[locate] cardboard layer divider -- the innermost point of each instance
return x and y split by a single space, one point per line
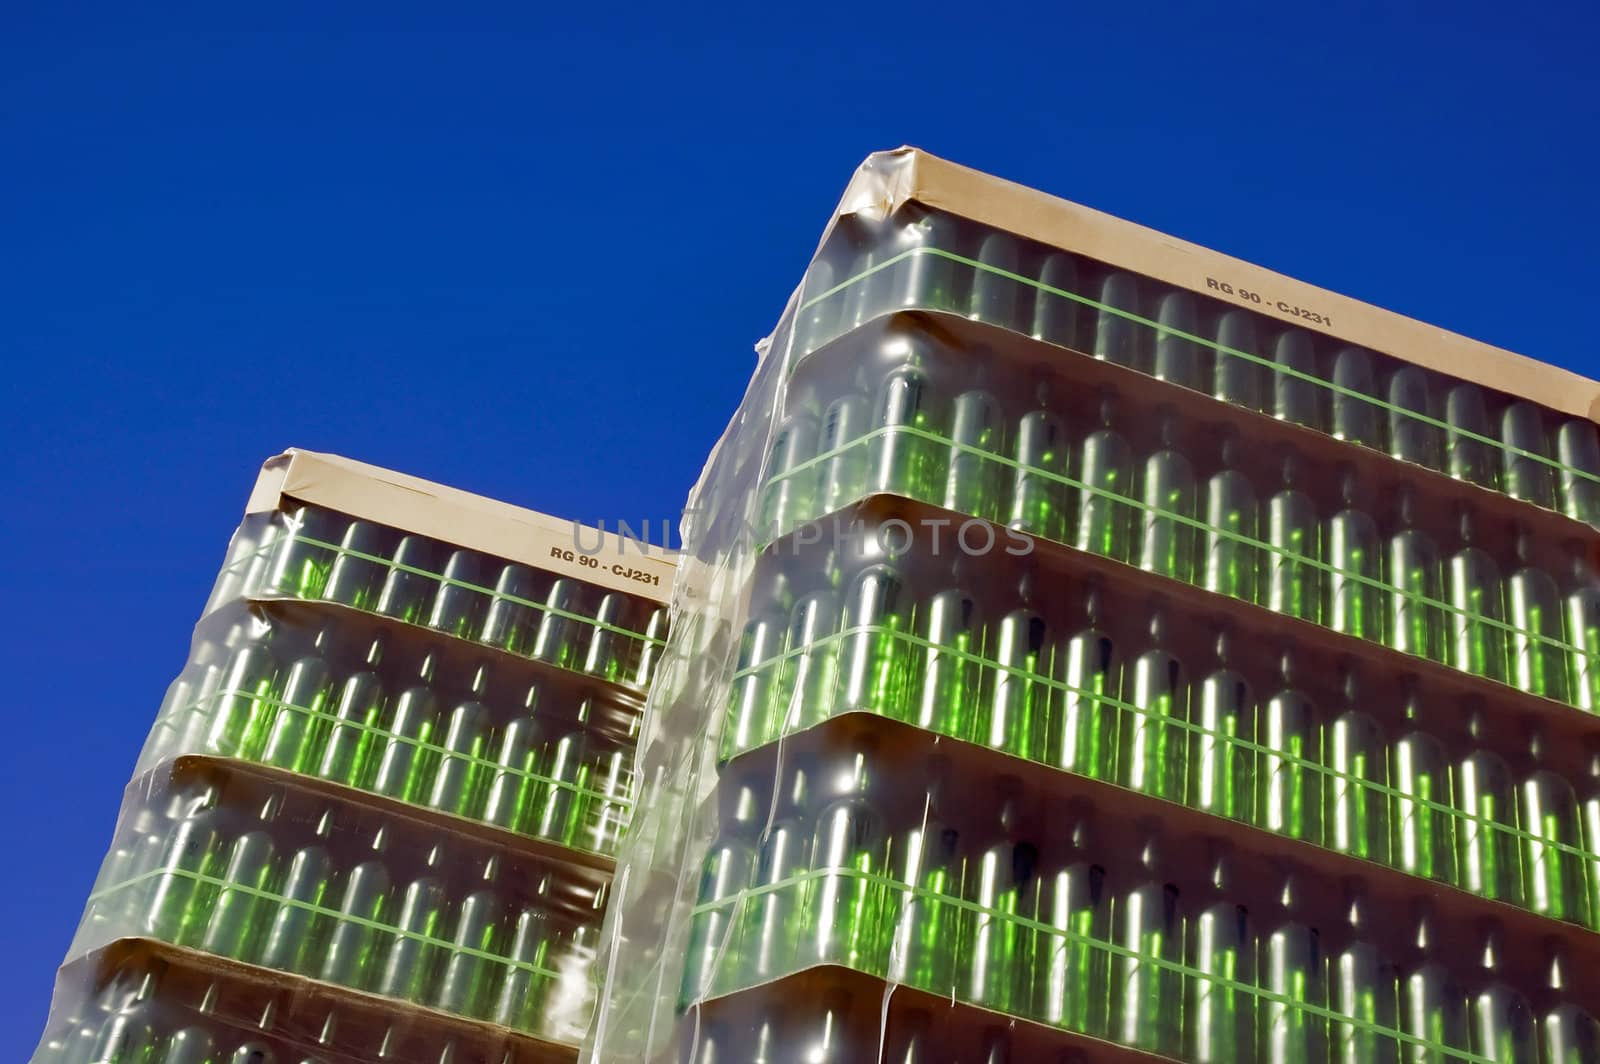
889 180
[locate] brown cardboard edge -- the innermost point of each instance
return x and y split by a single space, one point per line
888 180
412 504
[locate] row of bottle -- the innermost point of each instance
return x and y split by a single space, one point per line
318 554
999 922
1255 749
1337 568
514 762
149 1011
1233 354
240 868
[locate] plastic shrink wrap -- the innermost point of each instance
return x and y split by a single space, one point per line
1090 647
376 817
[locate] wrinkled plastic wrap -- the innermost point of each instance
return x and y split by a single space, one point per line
376 814
1067 666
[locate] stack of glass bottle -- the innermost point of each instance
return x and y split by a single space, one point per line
377 813
1069 666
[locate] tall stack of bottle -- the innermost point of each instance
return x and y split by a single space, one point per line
1072 664
377 815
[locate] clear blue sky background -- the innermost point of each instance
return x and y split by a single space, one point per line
487 257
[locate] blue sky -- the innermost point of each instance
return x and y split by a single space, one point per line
530 259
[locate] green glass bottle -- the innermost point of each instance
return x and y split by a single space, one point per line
1002 890
126 1037
346 756
519 1000
1146 980
1219 1010
458 783
1024 670
972 483
510 620
874 662
470 980
1415 624
413 951
769 943
1357 816
788 496
998 297
409 753
1293 581
1105 477
1354 557
1468 455
1489 862
567 767
1578 452
1289 780
1079 733
947 696
1056 317
299 925
816 319
807 688
236 917
756 671
652 643
462 601
922 279
1299 394
1117 337
1363 993
411 582
1411 439
842 473
192 1045
1167 510
513 792
1070 967
303 553
1553 869
1477 636
1432 1015
1581 626
1220 765
1424 829
1525 443
555 640
1239 379
1589 826
1502 1025
727 871
302 700
1177 358
922 916
351 956
1570 1035
605 809
609 647
1355 417
843 902
176 904
1151 742
1293 971
244 705
1040 499
1538 656
907 456
1233 555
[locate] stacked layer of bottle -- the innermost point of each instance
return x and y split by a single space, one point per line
1286 530
1087 680
1211 342
143 1010
245 866
317 554
433 723
1002 899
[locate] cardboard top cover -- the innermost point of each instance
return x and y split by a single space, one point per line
888 180
474 522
